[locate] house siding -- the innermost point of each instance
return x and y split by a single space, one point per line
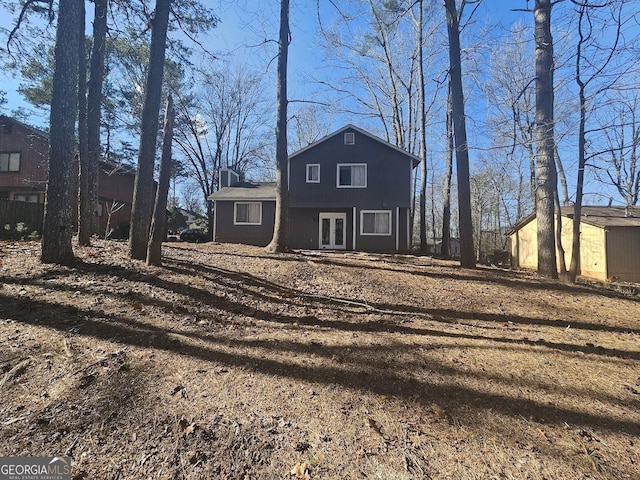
387 188
593 260
305 230
115 183
259 235
388 175
33 148
623 254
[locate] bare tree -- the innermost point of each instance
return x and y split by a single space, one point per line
159 221
467 256
545 141
589 52
306 126
88 201
84 234
57 228
280 240
446 202
222 124
622 157
143 190
422 128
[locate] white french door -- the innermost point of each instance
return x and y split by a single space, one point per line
333 233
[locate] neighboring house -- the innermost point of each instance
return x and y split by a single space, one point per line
192 219
348 191
23 174
609 242
435 247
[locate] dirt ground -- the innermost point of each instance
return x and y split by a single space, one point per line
232 363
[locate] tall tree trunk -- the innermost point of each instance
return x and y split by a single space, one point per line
280 240
159 222
446 208
58 223
94 101
545 171
467 256
423 132
84 234
558 229
562 177
143 197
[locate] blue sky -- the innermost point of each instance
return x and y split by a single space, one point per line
246 24
248 27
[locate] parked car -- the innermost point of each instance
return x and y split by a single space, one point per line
195 235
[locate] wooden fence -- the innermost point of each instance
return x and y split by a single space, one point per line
12 213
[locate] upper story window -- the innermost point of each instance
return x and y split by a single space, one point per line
247 213
313 173
352 175
349 138
10 162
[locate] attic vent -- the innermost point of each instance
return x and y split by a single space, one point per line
6 128
350 138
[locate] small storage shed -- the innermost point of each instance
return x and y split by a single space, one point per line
609 242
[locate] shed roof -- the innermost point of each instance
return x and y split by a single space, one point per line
246 191
598 216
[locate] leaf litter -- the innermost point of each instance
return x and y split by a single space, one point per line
230 362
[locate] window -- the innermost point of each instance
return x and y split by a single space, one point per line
247 213
313 173
26 197
10 162
352 175
373 222
350 138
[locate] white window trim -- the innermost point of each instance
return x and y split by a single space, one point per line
307 172
362 232
366 173
349 138
235 213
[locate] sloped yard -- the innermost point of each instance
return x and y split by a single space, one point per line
232 363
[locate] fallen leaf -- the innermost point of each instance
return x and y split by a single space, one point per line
138 306
301 471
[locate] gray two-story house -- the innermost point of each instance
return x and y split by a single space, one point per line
348 191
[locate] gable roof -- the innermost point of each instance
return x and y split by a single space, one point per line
598 216
246 191
109 166
41 133
415 158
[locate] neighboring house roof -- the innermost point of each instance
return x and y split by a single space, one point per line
109 165
37 131
415 158
186 212
246 191
598 216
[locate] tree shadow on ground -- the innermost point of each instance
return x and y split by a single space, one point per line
384 324
387 382
508 278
